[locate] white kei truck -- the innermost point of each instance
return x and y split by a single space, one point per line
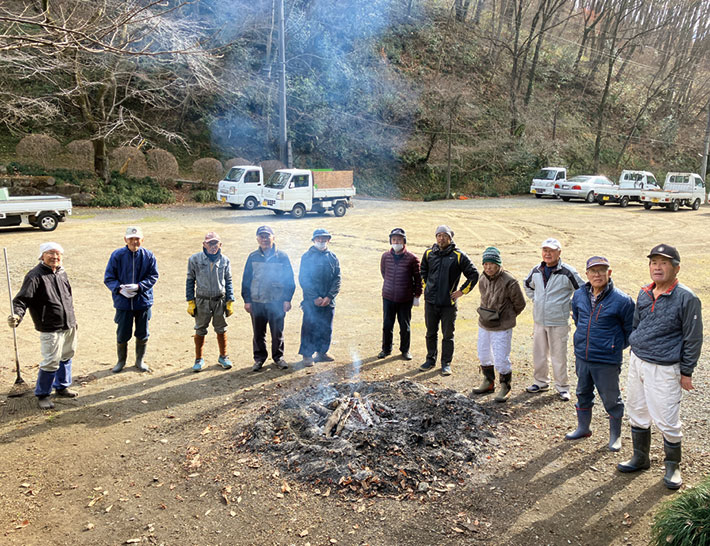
299 191
631 185
40 211
543 184
679 190
241 187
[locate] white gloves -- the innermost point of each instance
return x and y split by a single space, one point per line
415 302
128 290
13 321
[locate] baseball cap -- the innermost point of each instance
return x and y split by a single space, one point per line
597 260
666 251
320 232
444 229
133 232
211 236
398 231
264 229
551 243
46 247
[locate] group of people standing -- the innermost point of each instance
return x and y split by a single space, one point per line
663 328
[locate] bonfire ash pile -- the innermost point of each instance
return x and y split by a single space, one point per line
374 438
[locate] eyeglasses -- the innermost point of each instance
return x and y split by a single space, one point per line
599 273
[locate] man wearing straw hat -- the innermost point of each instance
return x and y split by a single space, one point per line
47 294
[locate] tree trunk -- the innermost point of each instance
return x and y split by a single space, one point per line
602 105
533 68
101 159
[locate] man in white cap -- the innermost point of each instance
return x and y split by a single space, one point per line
131 273
210 297
550 285
441 269
47 294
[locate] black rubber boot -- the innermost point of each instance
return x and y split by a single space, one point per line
672 479
140 353
641 438
584 419
122 351
489 380
504 390
614 434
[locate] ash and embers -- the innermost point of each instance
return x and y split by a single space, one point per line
372 438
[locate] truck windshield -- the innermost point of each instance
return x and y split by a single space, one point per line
234 174
278 180
546 174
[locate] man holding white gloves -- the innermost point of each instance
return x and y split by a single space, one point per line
131 273
401 290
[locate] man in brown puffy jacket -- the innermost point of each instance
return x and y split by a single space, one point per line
401 290
502 300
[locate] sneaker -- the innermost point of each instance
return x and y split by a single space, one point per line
258 364
537 388
323 357
224 362
407 356
66 393
446 370
281 364
428 365
198 365
307 362
564 396
383 354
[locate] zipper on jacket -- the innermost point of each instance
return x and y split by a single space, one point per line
133 275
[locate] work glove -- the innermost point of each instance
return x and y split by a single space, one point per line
229 308
128 290
415 302
13 321
191 308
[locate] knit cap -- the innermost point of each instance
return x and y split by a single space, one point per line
46 247
492 255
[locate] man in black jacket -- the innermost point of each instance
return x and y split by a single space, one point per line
47 294
442 266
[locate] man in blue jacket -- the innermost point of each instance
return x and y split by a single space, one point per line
130 275
665 343
603 316
319 277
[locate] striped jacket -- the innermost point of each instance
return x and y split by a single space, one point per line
441 271
551 302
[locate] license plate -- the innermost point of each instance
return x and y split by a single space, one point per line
264 203
565 186
224 199
654 200
533 191
605 198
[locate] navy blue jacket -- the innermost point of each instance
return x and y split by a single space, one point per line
319 275
602 333
126 267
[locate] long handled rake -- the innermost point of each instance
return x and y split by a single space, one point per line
20 387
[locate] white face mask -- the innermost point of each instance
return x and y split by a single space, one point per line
397 247
320 246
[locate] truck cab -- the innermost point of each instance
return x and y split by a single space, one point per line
637 180
543 183
242 186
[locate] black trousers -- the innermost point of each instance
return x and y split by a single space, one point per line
272 314
433 316
402 311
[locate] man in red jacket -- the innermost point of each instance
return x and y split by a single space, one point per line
401 290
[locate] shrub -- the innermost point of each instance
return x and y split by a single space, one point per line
204 196
62 176
236 161
79 155
126 191
269 166
208 169
41 150
685 519
132 158
162 165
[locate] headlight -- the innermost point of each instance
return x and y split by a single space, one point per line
232 190
280 195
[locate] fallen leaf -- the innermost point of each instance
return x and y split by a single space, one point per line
285 488
232 513
89 527
457 530
303 533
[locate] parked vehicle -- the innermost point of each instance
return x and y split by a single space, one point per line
679 190
581 187
41 211
543 183
299 191
242 186
629 188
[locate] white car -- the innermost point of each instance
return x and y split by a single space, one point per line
582 187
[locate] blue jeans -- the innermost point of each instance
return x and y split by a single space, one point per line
605 377
125 318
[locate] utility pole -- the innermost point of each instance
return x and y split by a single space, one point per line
448 158
283 133
706 149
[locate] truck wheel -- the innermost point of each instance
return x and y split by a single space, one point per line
590 197
47 221
673 206
624 202
340 209
696 204
234 205
299 211
647 206
250 203
566 199
601 202
538 196
279 212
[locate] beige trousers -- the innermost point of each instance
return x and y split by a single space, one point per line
550 346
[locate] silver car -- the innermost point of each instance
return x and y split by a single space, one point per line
581 187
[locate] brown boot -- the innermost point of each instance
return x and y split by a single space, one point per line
489 379
223 359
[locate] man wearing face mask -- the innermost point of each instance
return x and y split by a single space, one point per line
401 290
210 297
441 269
319 277
130 275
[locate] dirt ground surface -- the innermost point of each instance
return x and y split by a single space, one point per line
158 458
